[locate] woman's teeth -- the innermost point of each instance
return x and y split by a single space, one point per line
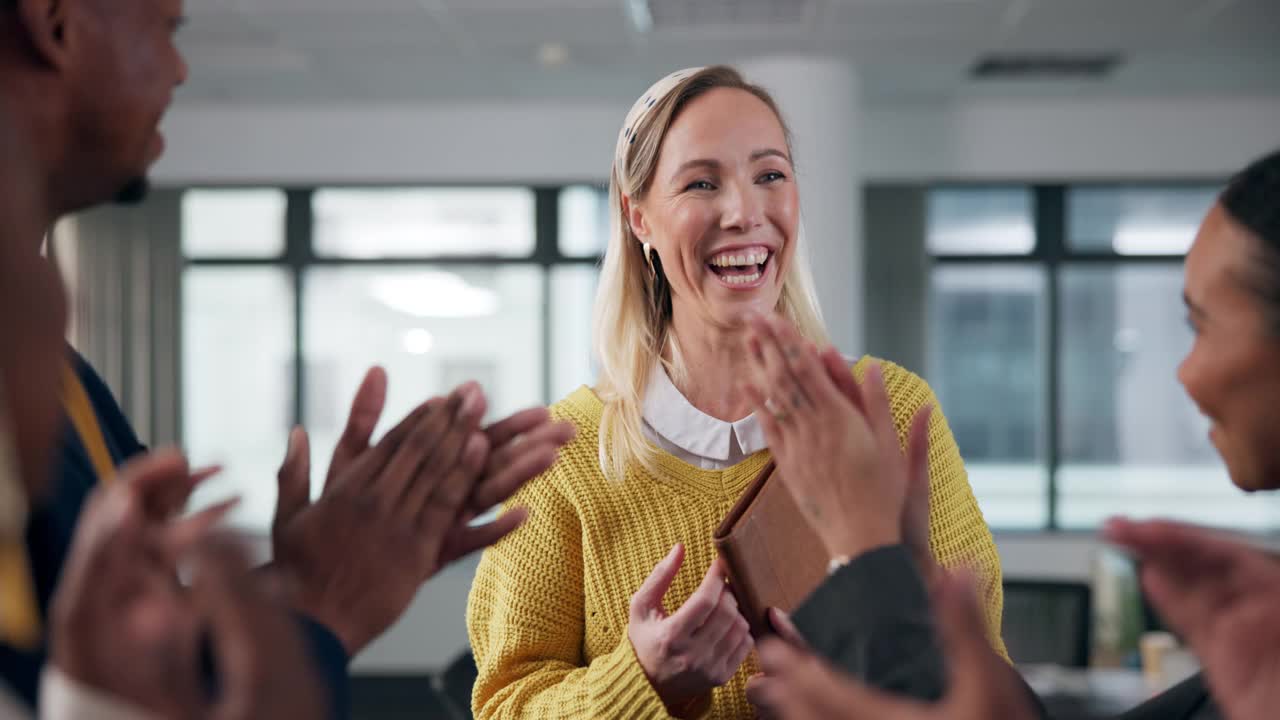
740 267
741 279
757 257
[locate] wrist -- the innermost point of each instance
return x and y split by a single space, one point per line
674 698
856 538
681 702
66 655
70 666
279 579
352 638
686 707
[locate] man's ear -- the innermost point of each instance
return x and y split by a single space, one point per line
635 218
45 24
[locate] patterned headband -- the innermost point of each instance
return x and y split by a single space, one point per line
640 111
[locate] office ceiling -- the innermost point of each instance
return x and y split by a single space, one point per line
301 51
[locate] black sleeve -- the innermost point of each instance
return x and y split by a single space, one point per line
872 619
1187 700
331 661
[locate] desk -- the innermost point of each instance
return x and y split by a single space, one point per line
1092 694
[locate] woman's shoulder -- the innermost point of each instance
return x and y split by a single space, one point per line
894 374
579 459
582 407
906 390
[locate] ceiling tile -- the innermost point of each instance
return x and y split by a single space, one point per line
915 16
326 7
1154 14
489 5
488 26
1242 23
390 50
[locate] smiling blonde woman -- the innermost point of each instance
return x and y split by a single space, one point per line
610 603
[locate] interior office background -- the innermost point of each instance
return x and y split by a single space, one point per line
420 185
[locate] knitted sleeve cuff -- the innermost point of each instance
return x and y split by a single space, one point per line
621 689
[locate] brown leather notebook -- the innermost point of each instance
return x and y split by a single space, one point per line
775 558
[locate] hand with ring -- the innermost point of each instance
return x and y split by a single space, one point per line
775 410
836 444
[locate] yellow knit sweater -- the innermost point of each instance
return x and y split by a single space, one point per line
548 611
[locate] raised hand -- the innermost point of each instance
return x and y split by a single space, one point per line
695 649
1221 595
120 597
875 403
836 444
393 514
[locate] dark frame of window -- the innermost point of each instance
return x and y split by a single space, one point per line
299 256
1052 252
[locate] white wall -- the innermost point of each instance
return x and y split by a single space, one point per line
552 143
498 142
555 143
1078 138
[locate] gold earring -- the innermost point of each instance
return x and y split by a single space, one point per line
648 257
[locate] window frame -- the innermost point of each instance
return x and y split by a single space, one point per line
1052 252
300 255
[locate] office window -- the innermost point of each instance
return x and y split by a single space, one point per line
986 364
1054 330
431 327
406 223
1057 364
1136 220
572 357
237 396
1133 443
584 220
980 221
233 223
583 223
437 285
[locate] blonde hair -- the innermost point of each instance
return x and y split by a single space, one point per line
633 308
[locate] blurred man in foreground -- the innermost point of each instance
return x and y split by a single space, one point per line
83 87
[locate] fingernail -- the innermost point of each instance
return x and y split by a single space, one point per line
292 446
470 399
